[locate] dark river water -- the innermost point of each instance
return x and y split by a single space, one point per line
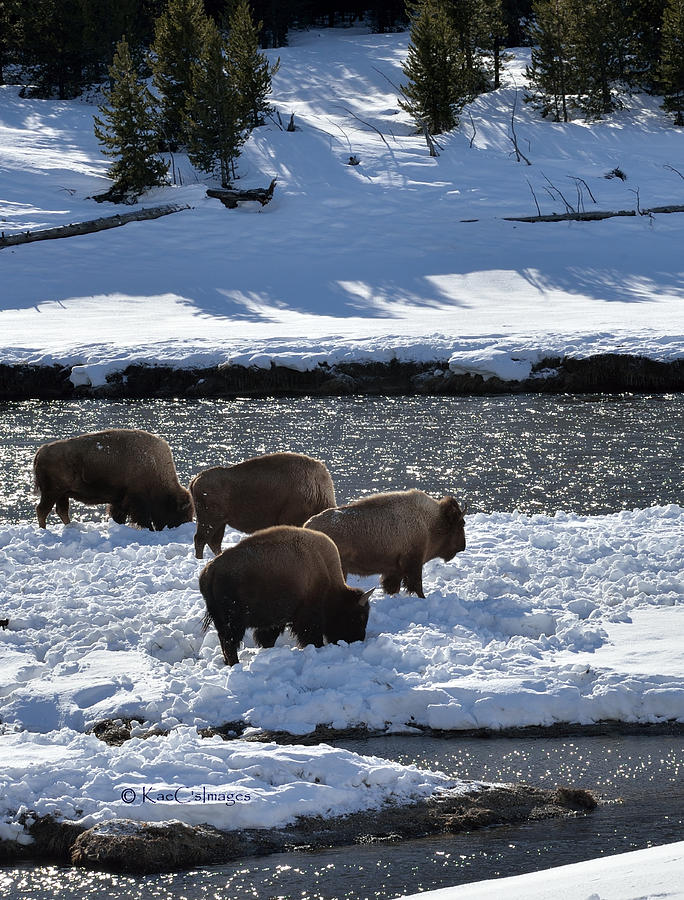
640 778
587 454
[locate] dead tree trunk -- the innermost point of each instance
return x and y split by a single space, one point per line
89 227
230 198
593 216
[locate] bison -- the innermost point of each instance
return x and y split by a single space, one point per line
131 470
275 489
394 534
277 578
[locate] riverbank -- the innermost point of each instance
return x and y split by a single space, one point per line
609 372
125 845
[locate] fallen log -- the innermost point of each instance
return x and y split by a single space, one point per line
88 227
590 216
230 198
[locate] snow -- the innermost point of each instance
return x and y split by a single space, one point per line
366 262
198 780
654 872
542 619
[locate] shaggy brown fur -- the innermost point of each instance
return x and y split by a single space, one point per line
394 534
277 578
275 489
131 470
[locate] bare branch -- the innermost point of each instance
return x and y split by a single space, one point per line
474 130
513 137
367 124
420 120
534 196
568 206
587 187
672 169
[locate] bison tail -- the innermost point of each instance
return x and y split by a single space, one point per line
207 621
38 476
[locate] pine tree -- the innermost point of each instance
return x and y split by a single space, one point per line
9 33
672 60
466 21
128 132
435 66
642 20
548 73
180 35
249 69
491 35
214 122
596 37
54 48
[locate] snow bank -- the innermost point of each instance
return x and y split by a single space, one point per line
196 780
370 262
655 872
541 620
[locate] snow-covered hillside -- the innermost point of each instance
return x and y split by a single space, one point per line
351 262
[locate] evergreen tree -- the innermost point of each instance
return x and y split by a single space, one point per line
276 17
128 132
672 60
387 15
491 36
9 33
596 37
516 15
53 46
180 36
549 72
642 20
214 113
250 70
435 66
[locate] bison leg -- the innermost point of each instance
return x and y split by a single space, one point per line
200 544
307 632
230 633
118 513
266 637
62 509
391 582
43 510
216 539
413 577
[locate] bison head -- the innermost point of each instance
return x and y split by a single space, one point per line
348 622
172 510
452 527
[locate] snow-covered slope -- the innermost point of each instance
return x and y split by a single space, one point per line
351 262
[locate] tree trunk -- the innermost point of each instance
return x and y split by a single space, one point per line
88 227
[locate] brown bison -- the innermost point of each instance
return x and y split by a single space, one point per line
133 471
277 578
275 489
394 534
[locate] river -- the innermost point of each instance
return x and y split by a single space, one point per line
582 453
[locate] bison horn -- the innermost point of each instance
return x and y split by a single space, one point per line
364 598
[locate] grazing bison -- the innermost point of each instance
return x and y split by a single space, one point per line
394 534
133 471
275 489
277 578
